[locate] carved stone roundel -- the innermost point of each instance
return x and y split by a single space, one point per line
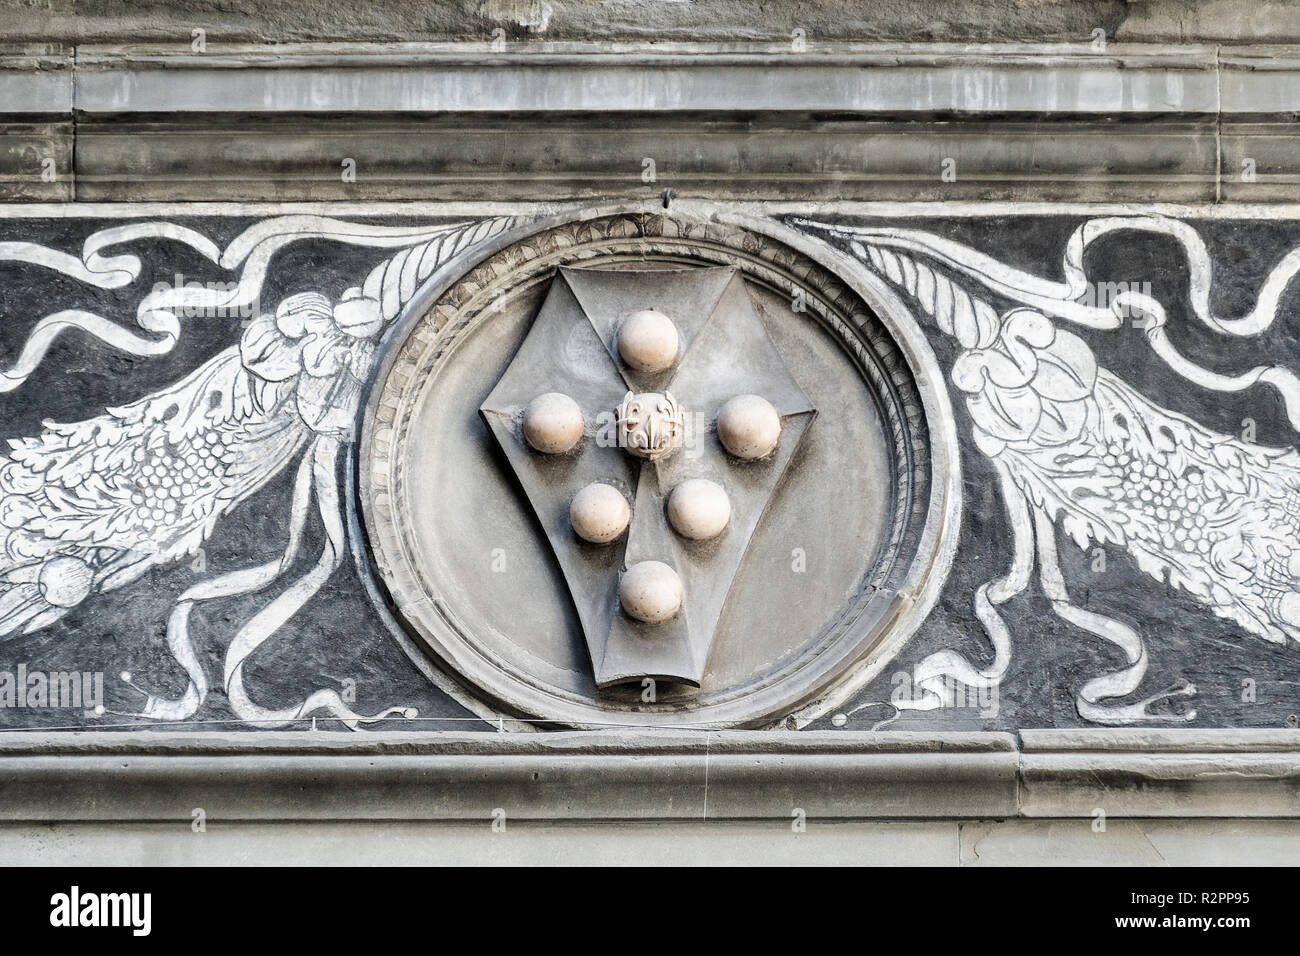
654 571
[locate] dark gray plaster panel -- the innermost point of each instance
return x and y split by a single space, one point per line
1214 655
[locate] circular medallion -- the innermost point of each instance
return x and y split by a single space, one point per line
765 413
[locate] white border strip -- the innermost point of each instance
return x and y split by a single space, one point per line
792 82
411 210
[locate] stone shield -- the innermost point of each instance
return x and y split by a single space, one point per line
838 527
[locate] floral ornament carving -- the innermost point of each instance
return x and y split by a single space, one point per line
1079 450
650 425
91 506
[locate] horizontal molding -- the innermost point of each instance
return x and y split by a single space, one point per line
647 776
1224 773
598 776
558 122
862 79
564 158
868 80
423 210
35 86
36 161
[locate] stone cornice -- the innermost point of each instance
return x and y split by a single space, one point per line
864 80
647 776
544 121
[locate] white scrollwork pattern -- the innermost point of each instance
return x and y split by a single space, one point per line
1077 448
91 506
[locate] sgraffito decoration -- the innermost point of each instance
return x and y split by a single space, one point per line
1079 450
90 506
780 570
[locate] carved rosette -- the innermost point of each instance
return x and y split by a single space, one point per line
651 425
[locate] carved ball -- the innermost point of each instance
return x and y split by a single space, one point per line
553 423
599 513
749 427
699 509
650 591
648 341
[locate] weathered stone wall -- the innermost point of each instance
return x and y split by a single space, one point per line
1047 21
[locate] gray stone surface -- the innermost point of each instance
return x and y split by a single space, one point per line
644 775
879 80
1140 122
984 20
522 843
35 82
1154 843
624 798
36 161
566 159
1125 773
1186 842
649 775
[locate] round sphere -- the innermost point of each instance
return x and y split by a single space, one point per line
553 423
749 427
650 591
599 513
648 341
699 509
65 581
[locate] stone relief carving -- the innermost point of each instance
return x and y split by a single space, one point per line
90 506
651 425
642 383
594 338
1079 450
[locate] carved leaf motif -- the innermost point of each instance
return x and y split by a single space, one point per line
971 321
393 282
